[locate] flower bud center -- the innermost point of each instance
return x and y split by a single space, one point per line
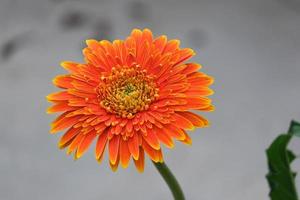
126 91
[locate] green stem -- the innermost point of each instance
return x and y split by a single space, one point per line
170 180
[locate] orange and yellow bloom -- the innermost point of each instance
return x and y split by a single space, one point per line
130 96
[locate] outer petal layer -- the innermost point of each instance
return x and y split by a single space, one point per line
130 96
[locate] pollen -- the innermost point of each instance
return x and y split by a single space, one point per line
126 91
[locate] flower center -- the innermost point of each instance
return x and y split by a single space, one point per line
126 91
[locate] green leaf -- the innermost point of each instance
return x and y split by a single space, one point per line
281 178
295 128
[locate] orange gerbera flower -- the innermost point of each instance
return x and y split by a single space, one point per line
131 96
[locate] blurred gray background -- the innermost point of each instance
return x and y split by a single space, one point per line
251 47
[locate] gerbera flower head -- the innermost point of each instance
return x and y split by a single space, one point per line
130 96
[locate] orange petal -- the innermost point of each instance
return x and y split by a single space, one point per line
182 122
110 51
93 44
100 145
201 80
195 119
90 74
165 138
63 81
178 69
74 144
59 96
133 146
114 144
83 86
160 156
78 101
100 128
197 102
64 123
114 166
187 139
152 139
199 91
160 42
61 117
118 129
124 153
60 107
137 35
184 54
118 47
140 162
129 126
100 158
84 145
67 137
208 108
177 87
175 132
147 35
191 67
71 66
82 94
152 153
171 46
100 60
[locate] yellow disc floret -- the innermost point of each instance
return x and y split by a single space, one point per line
126 91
